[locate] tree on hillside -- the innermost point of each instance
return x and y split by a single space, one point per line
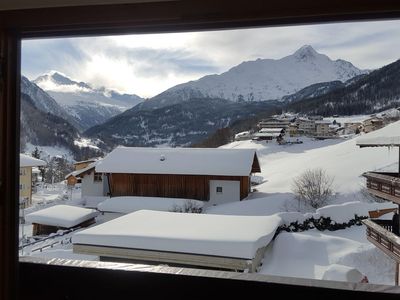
313 188
36 153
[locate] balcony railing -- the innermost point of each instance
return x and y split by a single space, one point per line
380 233
384 185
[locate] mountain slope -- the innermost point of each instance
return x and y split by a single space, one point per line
44 102
89 106
372 93
175 125
262 79
45 129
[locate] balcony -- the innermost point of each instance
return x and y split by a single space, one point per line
384 185
380 233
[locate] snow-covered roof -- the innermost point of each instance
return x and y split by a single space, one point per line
182 161
271 130
216 235
61 216
379 141
267 134
323 122
29 161
80 172
85 161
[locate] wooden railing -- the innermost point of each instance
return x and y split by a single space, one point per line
379 233
384 185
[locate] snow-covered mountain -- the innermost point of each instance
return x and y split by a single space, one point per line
262 79
45 103
89 106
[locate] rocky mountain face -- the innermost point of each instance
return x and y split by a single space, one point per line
87 105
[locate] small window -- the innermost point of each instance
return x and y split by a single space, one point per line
97 177
219 189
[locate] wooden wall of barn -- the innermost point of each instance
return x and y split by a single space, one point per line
170 186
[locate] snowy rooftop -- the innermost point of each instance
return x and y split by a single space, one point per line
183 161
379 141
271 130
78 173
216 235
29 161
61 216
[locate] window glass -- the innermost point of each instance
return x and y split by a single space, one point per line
288 126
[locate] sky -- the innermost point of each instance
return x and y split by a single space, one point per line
148 64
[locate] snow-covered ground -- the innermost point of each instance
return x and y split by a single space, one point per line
310 254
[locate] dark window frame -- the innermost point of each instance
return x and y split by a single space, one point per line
172 16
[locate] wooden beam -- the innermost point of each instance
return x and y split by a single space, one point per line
9 161
137 255
189 15
384 195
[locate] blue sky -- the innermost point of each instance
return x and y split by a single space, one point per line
149 64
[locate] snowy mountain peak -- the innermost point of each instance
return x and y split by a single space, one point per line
262 79
88 105
305 52
57 81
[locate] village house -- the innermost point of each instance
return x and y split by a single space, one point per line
242 136
92 183
372 124
322 128
274 123
384 233
213 175
293 129
79 165
26 164
352 127
306 126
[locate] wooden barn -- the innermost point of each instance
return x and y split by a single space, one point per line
214 175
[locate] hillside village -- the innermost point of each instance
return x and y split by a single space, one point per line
288 125
233 207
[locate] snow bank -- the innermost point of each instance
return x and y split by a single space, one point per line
93 201
253 207
61 216
342 273
311 254
130 204
228 236
343 213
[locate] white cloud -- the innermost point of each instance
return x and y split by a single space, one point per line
148 64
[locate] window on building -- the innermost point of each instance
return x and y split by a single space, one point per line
98 177
219 189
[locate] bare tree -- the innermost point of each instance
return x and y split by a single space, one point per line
189 206
313 187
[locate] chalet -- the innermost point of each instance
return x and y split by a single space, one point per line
213 175
322 128
293 129
274 123
306 126
26 164
79 165
269 134
384 234
242 136
372 124
92 183
352 127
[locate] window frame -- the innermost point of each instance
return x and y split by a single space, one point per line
158 17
